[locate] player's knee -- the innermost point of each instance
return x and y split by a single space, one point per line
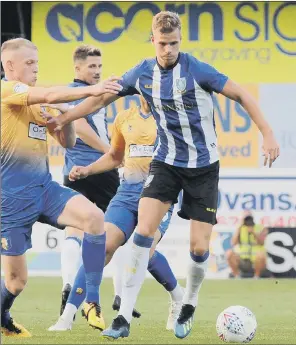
200 245
15 283
146 230
199 249
93 220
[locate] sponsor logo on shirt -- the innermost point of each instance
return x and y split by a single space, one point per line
37 132
141 150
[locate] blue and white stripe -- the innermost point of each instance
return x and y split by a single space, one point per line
167 143
185 117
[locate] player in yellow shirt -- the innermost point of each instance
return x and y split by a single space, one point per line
28 192
132 141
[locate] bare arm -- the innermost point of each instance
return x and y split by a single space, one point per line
89 136
37 95
63 94
66 137
238 94
88 106
109 161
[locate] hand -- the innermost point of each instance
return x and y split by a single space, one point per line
54 123
62 107
250 229
270 149
109 85
78 172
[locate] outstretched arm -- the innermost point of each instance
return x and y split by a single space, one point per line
83 130
88 106
89 136
270 146
111 160
22 94
92 104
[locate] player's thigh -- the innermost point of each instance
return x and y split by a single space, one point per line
65 207
160 191
82 214
17 219
15 272
200 195
120 217
73 232
200 201
15 240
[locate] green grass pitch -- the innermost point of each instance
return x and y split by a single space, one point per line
273 302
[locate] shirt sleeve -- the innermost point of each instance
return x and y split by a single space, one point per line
117 139
15 93
208 77
51 111
129 80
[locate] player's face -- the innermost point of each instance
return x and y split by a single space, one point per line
25 65
90 70
167 46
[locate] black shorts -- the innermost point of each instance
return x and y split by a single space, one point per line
99 189
199 185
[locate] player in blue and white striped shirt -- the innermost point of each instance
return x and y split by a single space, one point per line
179 90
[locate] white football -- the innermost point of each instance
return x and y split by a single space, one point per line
236 324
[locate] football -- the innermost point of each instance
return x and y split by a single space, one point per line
236 324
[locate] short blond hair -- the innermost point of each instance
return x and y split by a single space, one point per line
85 50
166 22
16 43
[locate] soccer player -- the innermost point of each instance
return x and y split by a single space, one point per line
133 138
28 192
179 90
91 143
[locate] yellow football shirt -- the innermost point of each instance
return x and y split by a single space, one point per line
24 162
134 133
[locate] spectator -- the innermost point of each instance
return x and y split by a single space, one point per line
248 256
